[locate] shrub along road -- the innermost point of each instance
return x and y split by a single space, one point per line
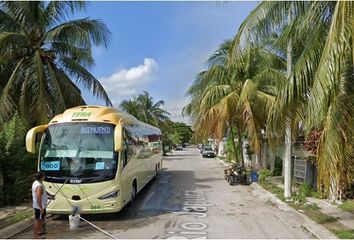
191 199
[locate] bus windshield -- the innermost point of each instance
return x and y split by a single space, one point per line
80 152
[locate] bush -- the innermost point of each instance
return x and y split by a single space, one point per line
16 165
263 174
305 190
278 166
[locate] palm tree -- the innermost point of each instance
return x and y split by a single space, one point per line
269 20
132 107
331 102
224 97
45 52
318 38
145 109
214 97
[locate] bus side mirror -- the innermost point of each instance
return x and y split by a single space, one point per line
31 138
118 138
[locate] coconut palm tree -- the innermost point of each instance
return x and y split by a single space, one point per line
331 101
132 107
271 20
214 97
318 37
145 109
49 57
223 98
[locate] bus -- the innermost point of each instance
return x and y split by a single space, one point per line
95 158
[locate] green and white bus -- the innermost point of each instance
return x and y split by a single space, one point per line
98 158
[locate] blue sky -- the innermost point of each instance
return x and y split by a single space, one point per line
160 46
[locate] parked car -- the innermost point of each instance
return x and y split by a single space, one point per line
179 147
208 152
202 148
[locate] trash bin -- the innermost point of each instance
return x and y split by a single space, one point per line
254 176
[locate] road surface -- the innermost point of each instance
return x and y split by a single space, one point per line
189 199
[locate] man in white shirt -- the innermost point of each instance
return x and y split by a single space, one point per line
40 199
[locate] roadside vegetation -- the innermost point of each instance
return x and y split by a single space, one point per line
299 202
347 206
287 74
15 218
45 57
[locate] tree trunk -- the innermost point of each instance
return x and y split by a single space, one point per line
287 151
264 154
333 191
233 144
5 185
258 161
287 163
272 160
240 144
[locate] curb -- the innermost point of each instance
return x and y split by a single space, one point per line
16 228
311 226
222 162
12 230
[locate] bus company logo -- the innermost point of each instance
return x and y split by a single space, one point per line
75 180
81 115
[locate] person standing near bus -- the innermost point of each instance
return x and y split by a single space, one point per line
40 199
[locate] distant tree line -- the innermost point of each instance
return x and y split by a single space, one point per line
145 109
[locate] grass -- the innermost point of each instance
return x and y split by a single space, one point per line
299 203
18 217
347 206
271 187
320 217
345 234
312 210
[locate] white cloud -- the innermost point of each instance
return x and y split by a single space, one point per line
175 108
126 83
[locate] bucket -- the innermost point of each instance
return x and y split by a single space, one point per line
74 221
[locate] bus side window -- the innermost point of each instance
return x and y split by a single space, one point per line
125 149
125 157
126 154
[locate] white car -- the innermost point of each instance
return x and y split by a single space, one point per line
208 152
179 147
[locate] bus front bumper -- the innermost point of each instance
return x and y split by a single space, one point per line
85 206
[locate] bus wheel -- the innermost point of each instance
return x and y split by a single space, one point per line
133 192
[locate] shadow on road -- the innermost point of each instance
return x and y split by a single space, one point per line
163 195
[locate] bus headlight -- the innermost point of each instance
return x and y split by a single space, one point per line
110 195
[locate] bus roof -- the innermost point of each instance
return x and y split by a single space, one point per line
92 113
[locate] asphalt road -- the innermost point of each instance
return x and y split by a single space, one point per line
189 199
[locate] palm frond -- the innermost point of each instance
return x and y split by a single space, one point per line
85 78
6 100
57 11
80 32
